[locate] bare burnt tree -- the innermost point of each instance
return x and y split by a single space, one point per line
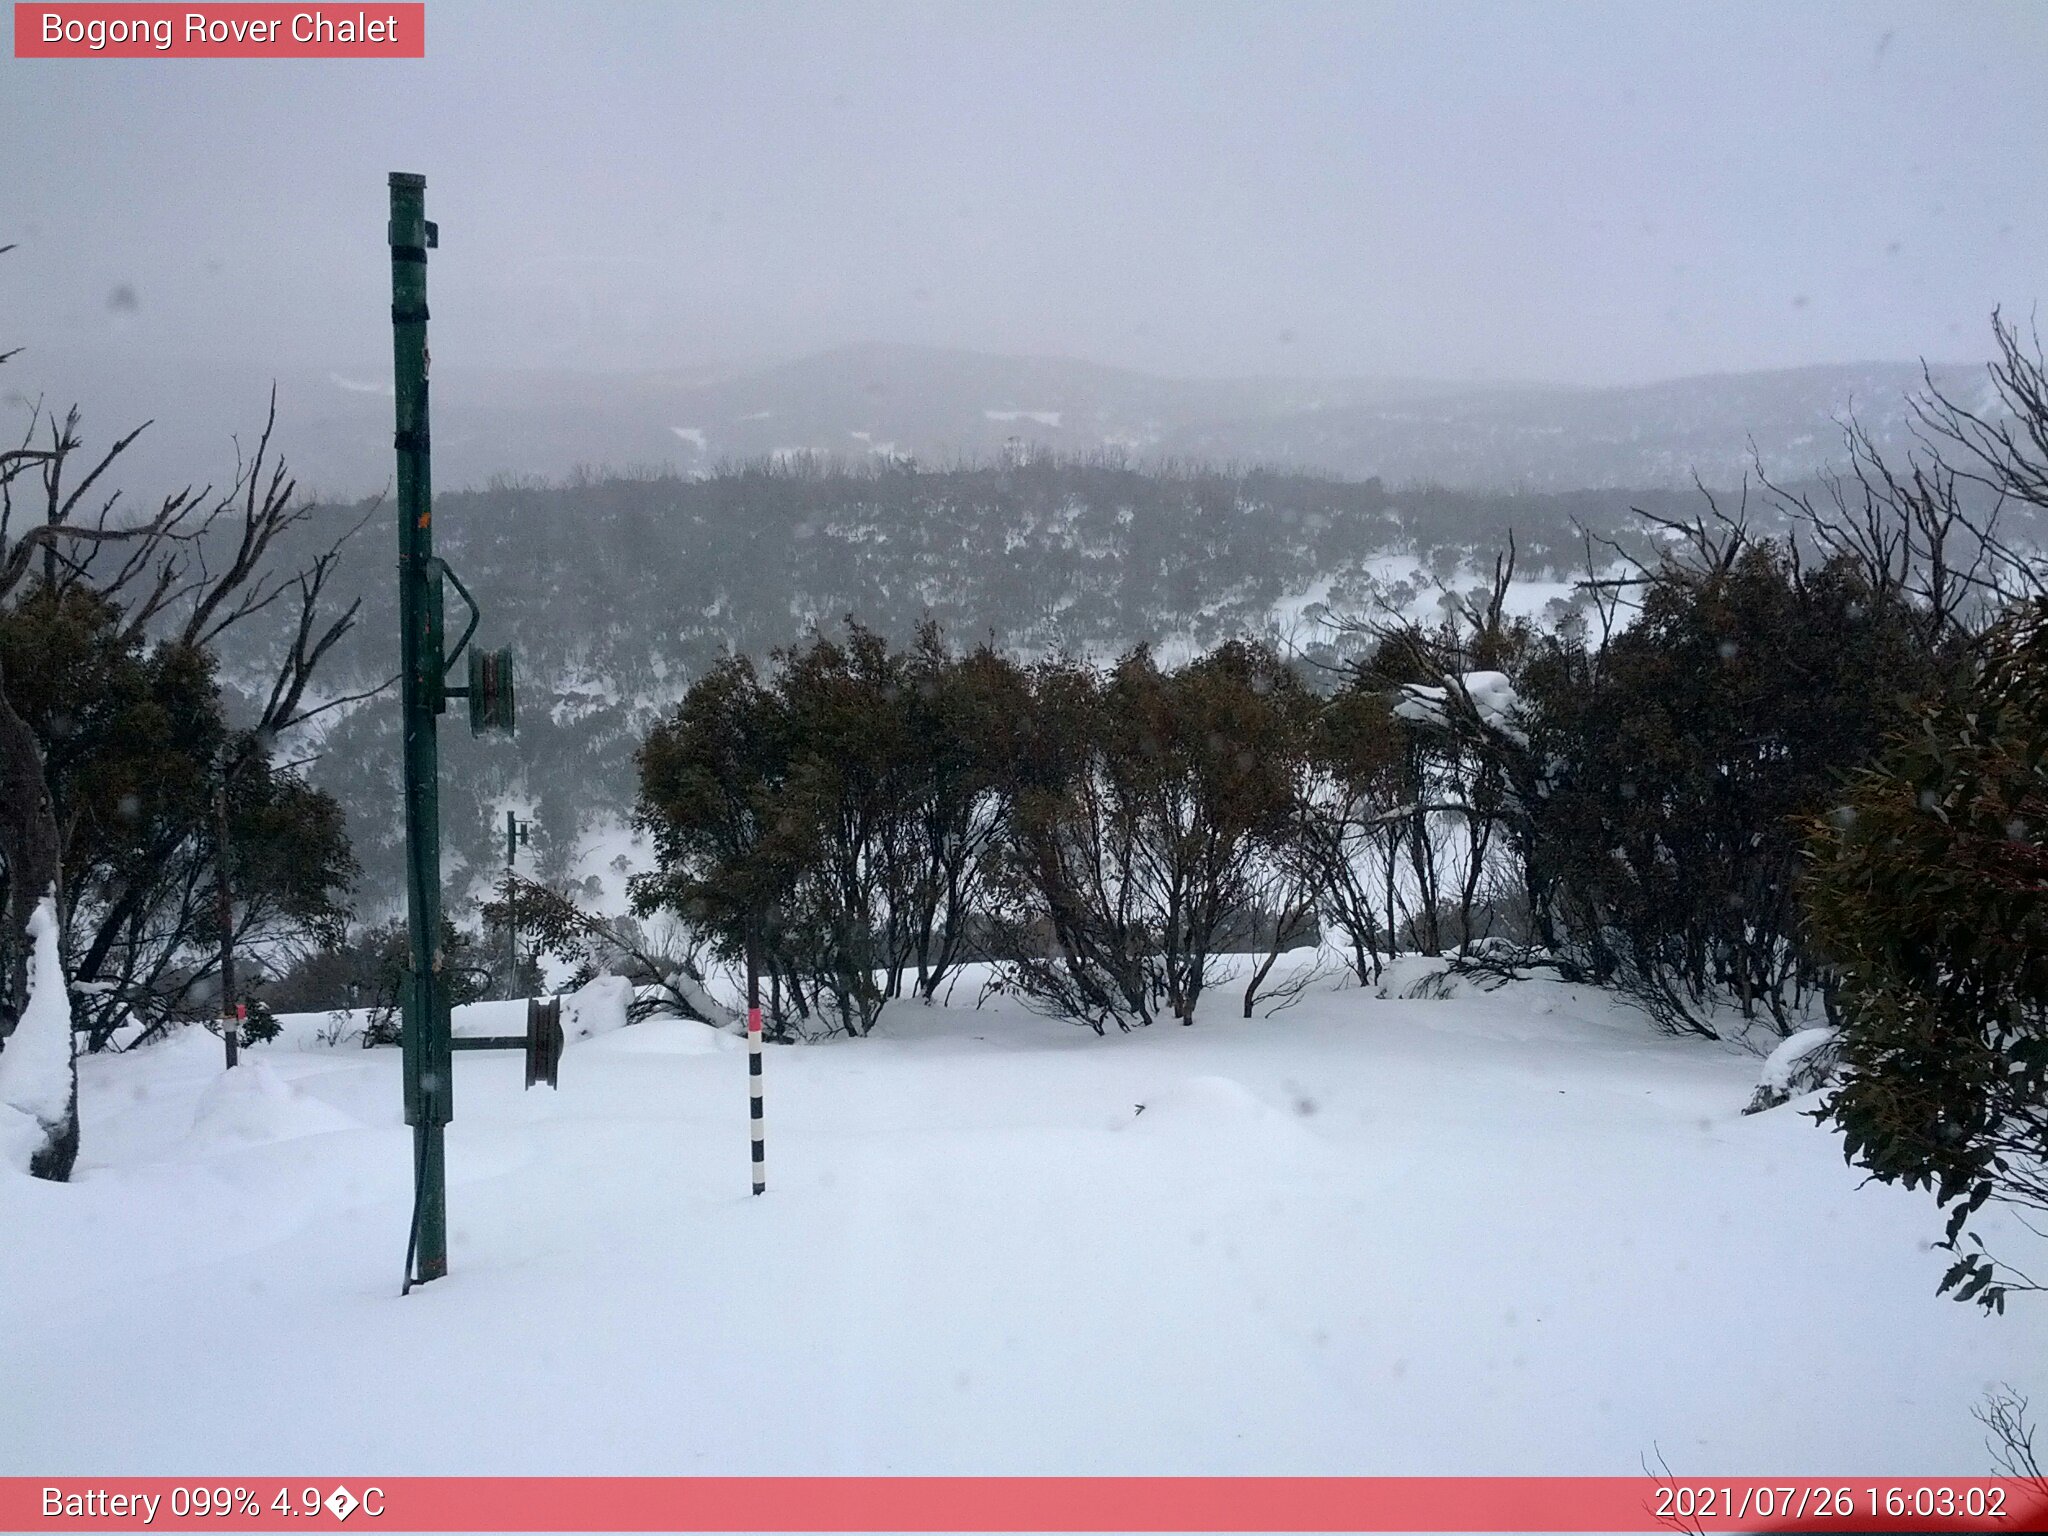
2002 451
1908 530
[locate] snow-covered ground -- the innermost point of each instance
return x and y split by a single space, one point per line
1504 1233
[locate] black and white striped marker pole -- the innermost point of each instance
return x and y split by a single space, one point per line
754 1070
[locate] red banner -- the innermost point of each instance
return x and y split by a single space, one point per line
1024 1504
371 30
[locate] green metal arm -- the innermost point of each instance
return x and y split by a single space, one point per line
475 614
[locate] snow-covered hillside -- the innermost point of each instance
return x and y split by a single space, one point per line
647 581
1507 1232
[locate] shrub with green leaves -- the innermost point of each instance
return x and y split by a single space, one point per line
1929 893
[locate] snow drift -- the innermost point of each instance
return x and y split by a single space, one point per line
35 1061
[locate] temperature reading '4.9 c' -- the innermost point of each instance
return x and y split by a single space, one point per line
241 1502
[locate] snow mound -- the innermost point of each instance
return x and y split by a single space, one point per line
1220 1111
35 1062
21 1137
250 1104
1803 1063
1439 978
596 1008
1418 976
494 1016
1440 1244
670 1037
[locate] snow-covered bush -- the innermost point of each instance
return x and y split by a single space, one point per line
1489 697
1804 1062
598 1007
260 1026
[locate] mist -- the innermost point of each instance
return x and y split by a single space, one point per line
1590 195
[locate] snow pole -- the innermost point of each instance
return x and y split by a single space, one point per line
754 1065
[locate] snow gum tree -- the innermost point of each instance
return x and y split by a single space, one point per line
1210 752
1436 775
134 739
1929 895
1349 831
1682 759
713 802
844 814
112 728
965 714
1077 938
1928 890
1144 806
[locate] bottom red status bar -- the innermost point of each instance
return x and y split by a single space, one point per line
1026 1504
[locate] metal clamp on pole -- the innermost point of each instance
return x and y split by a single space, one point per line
542 1041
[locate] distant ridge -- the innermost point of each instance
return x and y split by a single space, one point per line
942 405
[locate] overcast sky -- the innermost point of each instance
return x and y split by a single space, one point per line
1577 192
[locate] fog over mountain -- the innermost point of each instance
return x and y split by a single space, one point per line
941 406
1364 239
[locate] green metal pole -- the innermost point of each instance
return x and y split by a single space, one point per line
425 1036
